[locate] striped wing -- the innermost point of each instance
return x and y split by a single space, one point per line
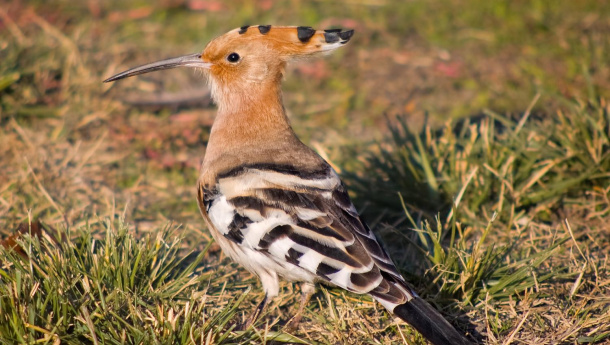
305 219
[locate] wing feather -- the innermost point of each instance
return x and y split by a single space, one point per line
304 219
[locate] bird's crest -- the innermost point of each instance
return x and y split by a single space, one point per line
292 41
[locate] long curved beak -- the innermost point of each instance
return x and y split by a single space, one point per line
193 60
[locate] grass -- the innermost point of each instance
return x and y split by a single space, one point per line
499 219
120 289
490 205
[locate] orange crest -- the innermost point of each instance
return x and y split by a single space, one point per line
289 41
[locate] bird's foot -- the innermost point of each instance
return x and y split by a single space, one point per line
293 324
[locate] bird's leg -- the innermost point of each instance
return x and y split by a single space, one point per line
307 290
272 288
255 314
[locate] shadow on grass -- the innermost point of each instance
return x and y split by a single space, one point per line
472 208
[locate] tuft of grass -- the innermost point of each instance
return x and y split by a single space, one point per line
481 217
493 164
116 289
472 271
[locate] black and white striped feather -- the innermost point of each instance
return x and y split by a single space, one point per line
277 220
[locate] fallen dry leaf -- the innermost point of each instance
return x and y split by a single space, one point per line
35 229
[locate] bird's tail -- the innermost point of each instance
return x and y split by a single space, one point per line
394 294
429 322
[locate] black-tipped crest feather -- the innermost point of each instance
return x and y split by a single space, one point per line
304 33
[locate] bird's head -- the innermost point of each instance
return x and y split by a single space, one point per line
251 55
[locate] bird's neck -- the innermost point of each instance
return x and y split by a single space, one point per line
249 118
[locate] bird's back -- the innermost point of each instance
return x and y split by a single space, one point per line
300 216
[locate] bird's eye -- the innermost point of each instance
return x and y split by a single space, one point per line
233 57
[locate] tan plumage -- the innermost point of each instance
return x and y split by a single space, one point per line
271 202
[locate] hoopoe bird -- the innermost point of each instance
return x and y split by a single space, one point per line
272 203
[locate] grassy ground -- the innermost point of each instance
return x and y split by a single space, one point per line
474 136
